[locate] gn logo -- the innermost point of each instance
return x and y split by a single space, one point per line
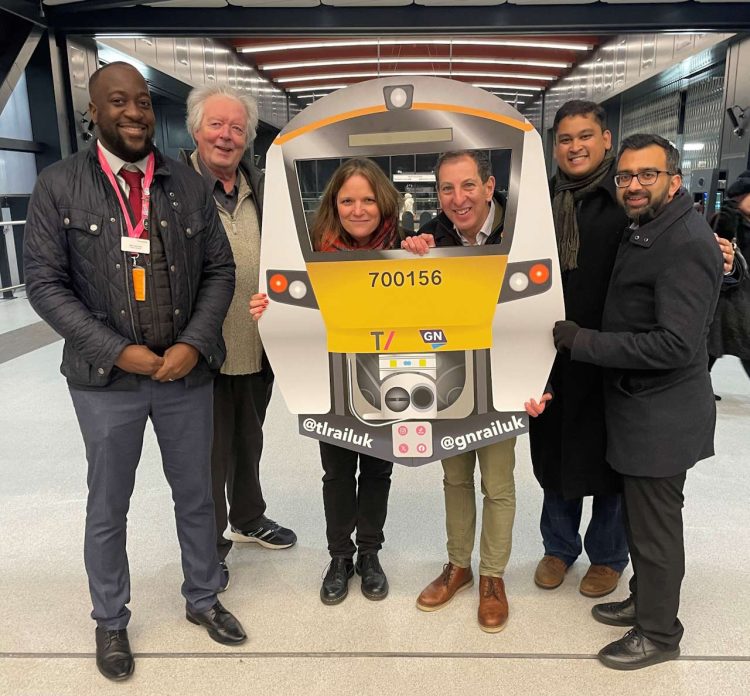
434 337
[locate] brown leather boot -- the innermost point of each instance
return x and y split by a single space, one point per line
599 580
443 588
550 572
493 604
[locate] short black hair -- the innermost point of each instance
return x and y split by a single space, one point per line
479 157
96 75
580 107
639 141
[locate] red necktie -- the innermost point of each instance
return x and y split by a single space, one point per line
135 197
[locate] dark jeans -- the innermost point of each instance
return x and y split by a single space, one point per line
240 403
112 424
354 504
653 519
605 540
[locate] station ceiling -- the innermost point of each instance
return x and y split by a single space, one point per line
514 48
234 17
516 68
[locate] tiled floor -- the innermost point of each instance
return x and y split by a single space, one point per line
299 646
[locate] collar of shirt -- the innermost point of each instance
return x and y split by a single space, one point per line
484 232
116 164
214 182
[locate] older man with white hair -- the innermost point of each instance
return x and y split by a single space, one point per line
223 123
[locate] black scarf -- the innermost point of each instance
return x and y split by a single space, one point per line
567 193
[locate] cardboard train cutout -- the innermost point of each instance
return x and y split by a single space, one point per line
407 358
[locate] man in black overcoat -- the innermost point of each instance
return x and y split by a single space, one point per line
659 407
568 441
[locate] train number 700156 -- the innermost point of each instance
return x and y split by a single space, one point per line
399 279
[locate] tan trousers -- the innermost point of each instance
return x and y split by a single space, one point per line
496 463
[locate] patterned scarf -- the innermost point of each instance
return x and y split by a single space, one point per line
567 193
382 238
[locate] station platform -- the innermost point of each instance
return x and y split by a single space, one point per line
296 644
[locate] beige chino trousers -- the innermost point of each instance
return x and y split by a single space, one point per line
496 464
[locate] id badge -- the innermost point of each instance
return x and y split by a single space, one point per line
135 245
139 283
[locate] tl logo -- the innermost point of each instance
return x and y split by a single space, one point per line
434 337
378 335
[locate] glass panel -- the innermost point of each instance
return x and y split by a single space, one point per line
17 169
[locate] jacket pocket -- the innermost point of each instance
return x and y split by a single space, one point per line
641 384
83 230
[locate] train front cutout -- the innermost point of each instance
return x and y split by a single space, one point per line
409 358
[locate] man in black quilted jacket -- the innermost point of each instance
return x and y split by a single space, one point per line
126 259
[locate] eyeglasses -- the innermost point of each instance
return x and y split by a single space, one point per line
647 177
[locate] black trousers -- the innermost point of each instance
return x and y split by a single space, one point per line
352 503
240 403
653 523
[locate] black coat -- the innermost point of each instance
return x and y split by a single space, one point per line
78 279
659 406
730 330
568 441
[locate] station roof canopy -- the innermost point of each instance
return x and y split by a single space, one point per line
514 48
267 17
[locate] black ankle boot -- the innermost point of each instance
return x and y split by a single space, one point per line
374 582
336 581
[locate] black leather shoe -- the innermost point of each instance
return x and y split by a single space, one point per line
615 613
634 651
374 582
335 585
113 656
219 623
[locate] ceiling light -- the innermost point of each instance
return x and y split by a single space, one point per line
505 86
401 59
300 45
396 73
314 89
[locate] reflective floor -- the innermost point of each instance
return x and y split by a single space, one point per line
297 645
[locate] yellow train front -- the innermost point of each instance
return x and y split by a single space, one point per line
409 358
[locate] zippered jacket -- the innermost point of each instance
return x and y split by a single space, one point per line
79 280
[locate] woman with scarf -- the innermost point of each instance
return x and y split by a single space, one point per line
358 211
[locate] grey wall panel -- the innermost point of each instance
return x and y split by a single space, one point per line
735 150
82 63
164 55
625 62
196 56
192 61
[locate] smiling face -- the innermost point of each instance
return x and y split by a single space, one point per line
464 197
580 145
357 209
643 203
121 108
222 135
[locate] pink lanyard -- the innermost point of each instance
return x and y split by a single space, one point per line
136 231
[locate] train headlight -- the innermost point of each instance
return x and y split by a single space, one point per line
519 282
278 283
398 97
297 289
290 287
539 273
